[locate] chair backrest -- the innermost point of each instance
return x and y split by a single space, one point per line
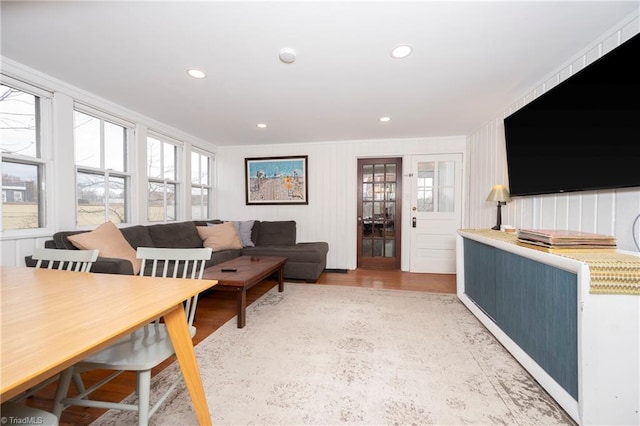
69 260
175 263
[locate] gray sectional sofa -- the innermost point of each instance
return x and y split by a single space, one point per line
305 261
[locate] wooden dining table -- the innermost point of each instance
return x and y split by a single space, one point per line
51 319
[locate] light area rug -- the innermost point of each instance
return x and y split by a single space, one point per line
331 355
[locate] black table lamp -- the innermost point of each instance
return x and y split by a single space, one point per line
499 193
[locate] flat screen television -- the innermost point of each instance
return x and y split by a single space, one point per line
583 134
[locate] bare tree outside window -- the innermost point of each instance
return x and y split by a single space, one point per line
22 168
18 122
162 158
102 180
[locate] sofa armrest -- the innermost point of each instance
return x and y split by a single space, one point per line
103 265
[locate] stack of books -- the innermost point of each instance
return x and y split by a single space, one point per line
552 241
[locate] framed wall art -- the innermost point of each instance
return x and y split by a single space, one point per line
276 180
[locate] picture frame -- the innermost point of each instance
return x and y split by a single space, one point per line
276 180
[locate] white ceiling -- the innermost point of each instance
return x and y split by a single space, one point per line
470 61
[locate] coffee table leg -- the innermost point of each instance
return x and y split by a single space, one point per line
281 279
242 308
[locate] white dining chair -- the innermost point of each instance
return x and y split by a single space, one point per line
145 348
68 260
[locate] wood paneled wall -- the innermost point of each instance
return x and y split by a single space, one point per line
331 213
609 212
332 169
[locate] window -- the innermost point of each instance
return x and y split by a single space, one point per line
22 162
201 165
436 186
102 180
162 174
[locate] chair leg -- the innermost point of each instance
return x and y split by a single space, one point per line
61 392
77 381
143 384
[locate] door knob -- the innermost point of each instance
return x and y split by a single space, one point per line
414 208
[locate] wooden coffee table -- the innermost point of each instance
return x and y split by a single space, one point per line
249 271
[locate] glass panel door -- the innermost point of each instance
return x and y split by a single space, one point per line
378 213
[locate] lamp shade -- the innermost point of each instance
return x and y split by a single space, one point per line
499 193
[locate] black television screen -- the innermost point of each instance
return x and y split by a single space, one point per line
583 134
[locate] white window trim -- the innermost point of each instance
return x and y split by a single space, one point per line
210 183
128 174
25 87
45 160
181 182
98 113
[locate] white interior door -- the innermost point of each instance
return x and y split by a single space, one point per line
436 212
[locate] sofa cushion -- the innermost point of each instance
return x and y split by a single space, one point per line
255 231
244 231
137 236
220 237
222 256
110 242
175 235
279 233
301 252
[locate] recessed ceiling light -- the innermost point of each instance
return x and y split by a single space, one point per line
261 125
196 73
385 119
401 51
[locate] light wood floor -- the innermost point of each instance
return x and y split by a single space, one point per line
215 308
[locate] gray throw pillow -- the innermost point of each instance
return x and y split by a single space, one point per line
244 231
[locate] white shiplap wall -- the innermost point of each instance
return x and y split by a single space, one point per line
610 212
330 215
332 170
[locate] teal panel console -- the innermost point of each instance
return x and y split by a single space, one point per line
480 284
582 347
533 303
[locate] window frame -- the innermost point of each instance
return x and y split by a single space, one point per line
178 182
127 175
208 186
43 159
